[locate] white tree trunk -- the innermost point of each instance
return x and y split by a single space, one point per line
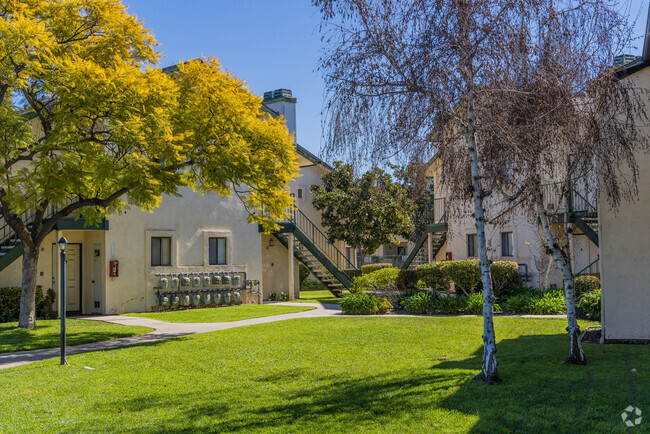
576 354
27 318
489 372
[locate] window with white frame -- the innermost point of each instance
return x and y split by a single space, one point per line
507 246
161 251
217 251
472 245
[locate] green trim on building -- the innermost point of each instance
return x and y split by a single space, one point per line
280 99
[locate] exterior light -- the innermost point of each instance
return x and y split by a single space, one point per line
62 243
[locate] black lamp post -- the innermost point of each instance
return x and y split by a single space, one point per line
63 243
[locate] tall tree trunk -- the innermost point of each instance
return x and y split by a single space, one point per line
27 318
576 354
489 372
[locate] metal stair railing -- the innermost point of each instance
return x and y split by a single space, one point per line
436 211
556 193
322 243
8 234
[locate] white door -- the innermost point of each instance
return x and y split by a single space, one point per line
580 253
97 277
72 275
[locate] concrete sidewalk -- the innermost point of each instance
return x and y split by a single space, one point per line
162 330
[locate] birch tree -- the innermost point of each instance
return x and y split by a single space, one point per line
402 75
570 120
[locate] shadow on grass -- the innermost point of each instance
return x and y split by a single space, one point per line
47 334
539 393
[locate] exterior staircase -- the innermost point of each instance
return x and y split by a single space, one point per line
437 227
581 209
319 255
11 247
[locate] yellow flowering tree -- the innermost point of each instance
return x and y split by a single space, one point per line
88 126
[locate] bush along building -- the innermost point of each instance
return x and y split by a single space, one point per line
193 250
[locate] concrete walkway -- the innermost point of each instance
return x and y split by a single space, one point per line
162 330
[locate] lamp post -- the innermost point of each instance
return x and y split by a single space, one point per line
63 243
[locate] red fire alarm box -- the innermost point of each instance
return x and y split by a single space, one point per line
114 268
448 256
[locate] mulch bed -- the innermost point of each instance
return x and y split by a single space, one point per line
592 336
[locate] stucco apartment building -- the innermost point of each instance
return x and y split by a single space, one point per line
515 237
625 243
192 244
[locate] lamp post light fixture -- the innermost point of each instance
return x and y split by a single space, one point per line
62 243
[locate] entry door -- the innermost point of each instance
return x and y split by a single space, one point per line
98 267
72 276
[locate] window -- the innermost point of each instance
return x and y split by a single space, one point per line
161 251
300 193
472 245
217 251
507 247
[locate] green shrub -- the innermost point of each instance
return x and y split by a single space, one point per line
383 279
475 303
585 283
550 303
522 303
505 274
284 296
369 268
406 279
10 304
303 273
383 305
465 274
590 303
421 302
364 304
274 297
309 285
518 290
451 304
433 276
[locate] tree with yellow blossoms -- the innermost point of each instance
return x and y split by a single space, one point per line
88 126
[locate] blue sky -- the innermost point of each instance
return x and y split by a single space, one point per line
271 44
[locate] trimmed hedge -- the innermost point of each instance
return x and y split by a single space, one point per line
369 268
406 280
10 304
585 283
466 275
433 275
383 279
364 304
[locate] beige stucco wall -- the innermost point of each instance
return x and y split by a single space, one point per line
189 220
526 238
624 261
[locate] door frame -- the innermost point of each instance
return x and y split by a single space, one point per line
81 273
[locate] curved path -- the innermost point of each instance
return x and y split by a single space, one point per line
162 330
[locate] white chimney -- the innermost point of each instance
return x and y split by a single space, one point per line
282 102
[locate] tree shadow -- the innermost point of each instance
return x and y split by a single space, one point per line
539 394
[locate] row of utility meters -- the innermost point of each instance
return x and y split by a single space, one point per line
205 298
196 281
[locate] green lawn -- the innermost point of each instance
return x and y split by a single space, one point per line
318 296
48 333
335 375
221 314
